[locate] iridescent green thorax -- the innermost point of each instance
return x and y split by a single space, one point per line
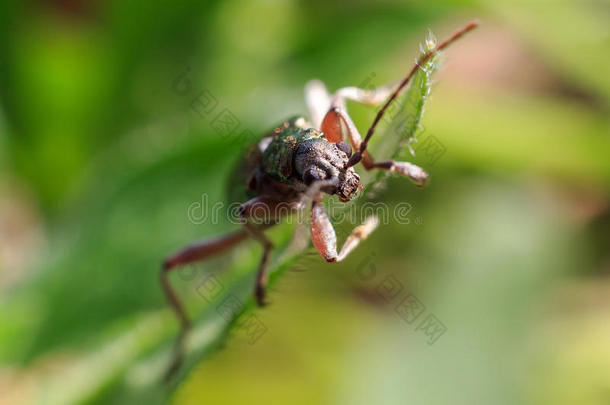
278 157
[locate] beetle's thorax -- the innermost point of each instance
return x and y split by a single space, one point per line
278 155
297 155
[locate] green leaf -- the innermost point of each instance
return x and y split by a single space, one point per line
401 122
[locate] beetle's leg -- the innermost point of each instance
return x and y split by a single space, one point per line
264 209
331 126
317 100
407 169
324 238
369 97
196 252
261 275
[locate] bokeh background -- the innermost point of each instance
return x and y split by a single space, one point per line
102 154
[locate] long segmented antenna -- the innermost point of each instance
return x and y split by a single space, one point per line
356 157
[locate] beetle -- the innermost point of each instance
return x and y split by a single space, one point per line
298 163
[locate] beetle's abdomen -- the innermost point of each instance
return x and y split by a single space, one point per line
278 157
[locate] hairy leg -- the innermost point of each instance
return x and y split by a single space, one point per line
264 209
364 96
331 126
317 100
259 208
193 253
324 237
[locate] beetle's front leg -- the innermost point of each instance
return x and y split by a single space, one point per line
407 169
331 126
324 238
264 209
319 101
372 96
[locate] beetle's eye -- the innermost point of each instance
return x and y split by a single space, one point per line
345 148
310 176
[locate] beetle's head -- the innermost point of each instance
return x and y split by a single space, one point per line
317 160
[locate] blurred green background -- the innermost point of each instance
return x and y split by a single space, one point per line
102 154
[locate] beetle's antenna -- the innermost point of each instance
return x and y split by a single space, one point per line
356 157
